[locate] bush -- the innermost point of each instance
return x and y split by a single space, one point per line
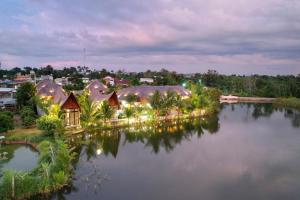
52 173
28 116
6 121
49 124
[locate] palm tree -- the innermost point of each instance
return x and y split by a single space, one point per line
132 98
107 111
179 104
156 102
90 113
128 112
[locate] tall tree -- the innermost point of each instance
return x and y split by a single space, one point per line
25 94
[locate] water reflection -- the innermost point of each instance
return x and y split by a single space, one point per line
266 110
18 158
246 152
156 137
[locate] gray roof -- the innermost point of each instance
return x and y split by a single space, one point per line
97 96
96 85
146 91
51 89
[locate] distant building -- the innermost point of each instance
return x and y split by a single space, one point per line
23 78
109 80
85 80
122 82
62 81
7 98
96 91
145 92
146 80
46 77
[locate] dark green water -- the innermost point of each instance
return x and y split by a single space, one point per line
246 152
19 158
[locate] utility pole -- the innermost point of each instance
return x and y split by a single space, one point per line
84 52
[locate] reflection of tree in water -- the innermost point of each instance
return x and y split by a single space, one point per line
294 116
106 142
259 110
168 135
262 110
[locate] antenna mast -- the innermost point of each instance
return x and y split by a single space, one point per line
84 52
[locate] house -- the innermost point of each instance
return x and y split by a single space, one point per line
144 92
7 98
121 82
109 80
23 78
85 80
61 81
96 86
146 80
96 91
51 91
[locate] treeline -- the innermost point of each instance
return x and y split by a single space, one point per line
255 85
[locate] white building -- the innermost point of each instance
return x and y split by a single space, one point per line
62 81
7 98
109 80
146 80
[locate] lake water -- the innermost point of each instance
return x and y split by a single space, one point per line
19 158
246 152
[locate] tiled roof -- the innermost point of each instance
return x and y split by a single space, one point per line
146 91
96 85
97 96
50 89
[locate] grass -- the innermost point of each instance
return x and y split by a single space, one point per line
52 173
20 134
288 102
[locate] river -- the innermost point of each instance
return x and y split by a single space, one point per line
247 151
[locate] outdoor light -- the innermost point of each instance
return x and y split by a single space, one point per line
99 151
183 84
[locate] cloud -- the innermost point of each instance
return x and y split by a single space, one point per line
137 35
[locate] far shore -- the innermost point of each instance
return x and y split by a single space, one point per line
237 99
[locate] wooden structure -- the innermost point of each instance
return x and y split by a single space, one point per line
71 110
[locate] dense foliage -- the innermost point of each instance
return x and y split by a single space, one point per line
288 102
51 123
6 121
52 173
25 94
255 85
28 116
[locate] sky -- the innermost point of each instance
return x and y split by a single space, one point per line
187 36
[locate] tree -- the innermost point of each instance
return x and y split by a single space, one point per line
156 100
51 123
6 121
25 94
106 110
128 112
28 116
90 113
131 98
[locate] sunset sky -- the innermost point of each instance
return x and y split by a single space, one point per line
237 36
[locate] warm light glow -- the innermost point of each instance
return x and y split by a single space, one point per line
99 151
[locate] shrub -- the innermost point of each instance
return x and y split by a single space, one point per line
49 124
52 173
6 121
28 116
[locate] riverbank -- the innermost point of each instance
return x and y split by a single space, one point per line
288 102
53 172
237 99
